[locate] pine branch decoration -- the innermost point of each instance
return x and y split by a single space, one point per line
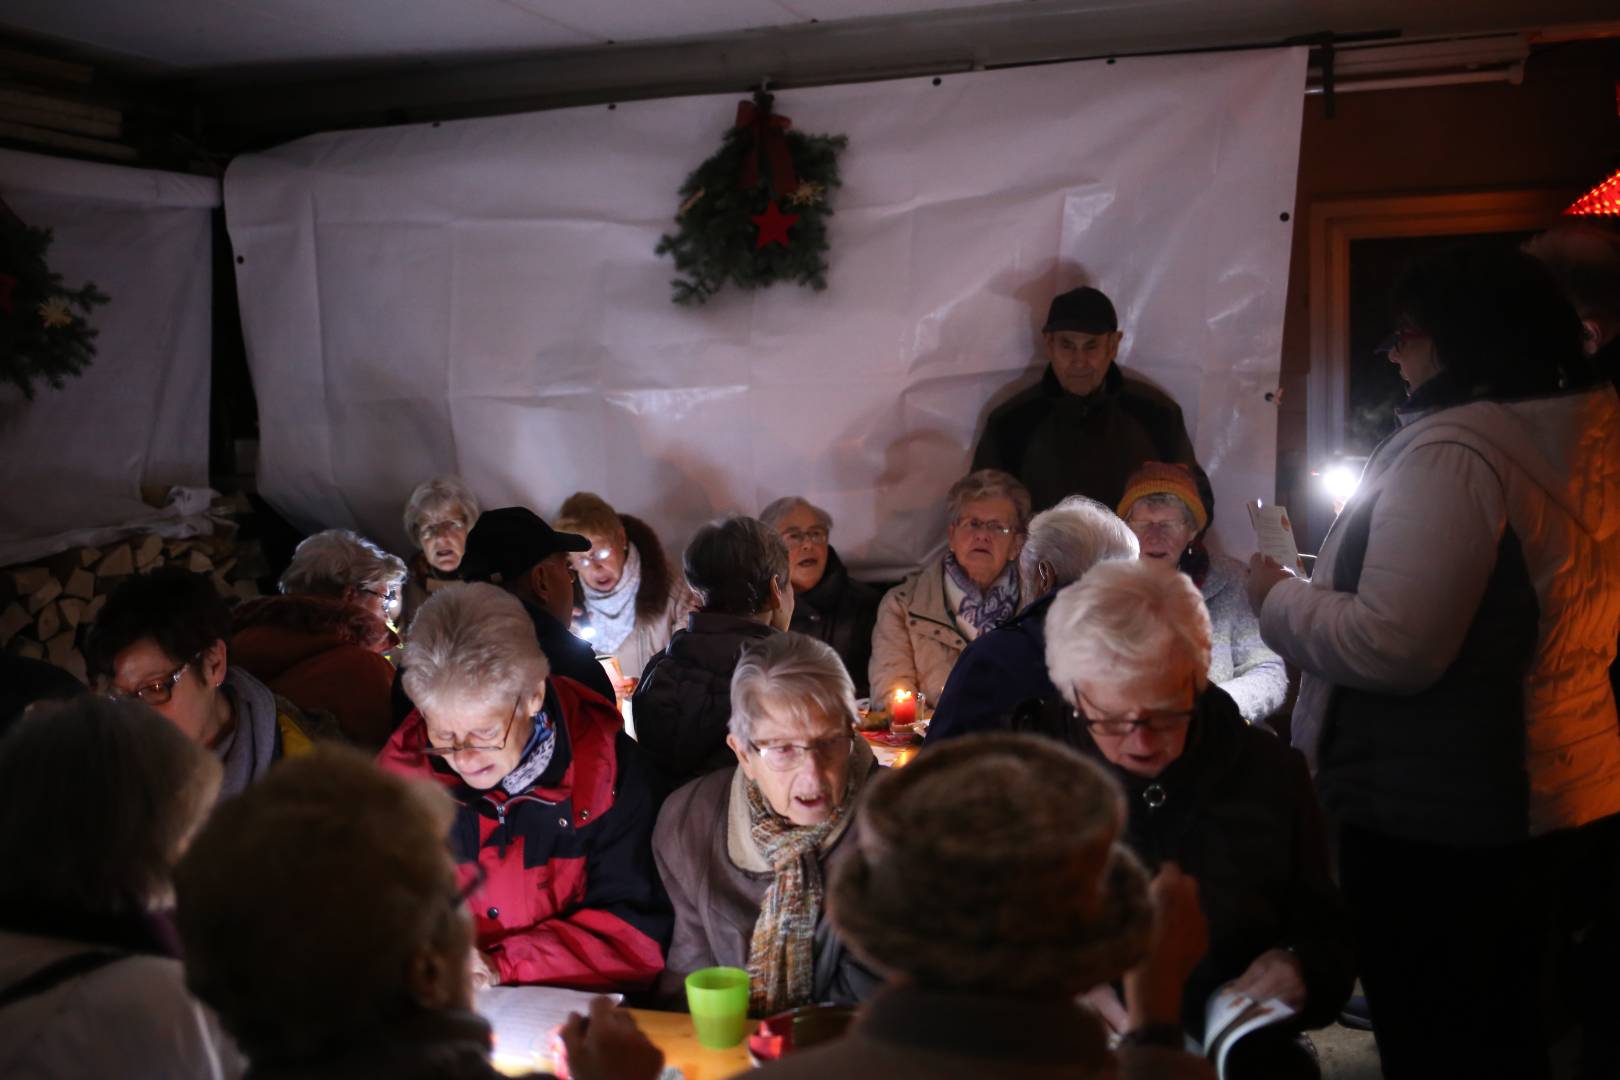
42 337
737 225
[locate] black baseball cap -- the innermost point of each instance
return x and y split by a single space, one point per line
1083 311
505 544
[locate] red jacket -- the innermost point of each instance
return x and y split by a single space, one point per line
321 654
571 895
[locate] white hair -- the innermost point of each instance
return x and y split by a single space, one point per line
1071 538
442 494
784 675
989 484
1125 622
471 644
333 561
773 513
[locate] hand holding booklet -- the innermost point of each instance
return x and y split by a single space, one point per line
1231 1015
1274 535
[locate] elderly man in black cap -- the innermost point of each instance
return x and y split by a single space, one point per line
1086 427
513 548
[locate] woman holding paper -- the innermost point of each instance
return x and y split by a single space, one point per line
1170 508
1128 647
1455 640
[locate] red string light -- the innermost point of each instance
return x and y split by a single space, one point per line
1601 201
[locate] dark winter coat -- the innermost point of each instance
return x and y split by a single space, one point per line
998 671
1236 812
683 702
323 655
571 896
840 611
716 879
1061 444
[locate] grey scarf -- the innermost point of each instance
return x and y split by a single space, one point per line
250 748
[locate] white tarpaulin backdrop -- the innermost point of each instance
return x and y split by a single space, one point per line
482 296
72 462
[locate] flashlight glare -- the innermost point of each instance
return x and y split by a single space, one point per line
1340 481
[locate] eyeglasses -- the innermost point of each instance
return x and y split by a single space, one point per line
794 537
474 747
386 597
1156 528
155 693
783 757
584 560
974 525
439 528
1400 339
1116 726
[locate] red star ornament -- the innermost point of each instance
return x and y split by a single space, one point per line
773 226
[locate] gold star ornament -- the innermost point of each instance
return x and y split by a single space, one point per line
55 313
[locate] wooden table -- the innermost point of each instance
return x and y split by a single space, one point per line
672 1033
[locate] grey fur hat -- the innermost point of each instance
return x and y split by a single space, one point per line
991 864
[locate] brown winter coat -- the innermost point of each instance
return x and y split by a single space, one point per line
716 879
322 654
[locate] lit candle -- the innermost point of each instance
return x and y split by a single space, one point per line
904 709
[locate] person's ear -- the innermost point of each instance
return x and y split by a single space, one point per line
1045 576
742 754
1591 336
214 663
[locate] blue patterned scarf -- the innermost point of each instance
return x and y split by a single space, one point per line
984 608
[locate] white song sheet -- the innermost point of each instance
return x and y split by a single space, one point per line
482 296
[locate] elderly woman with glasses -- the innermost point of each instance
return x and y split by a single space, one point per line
162 638
828 604
745 852
322 643
1170 509
438 516
632 601
926 621
1128 647
554 806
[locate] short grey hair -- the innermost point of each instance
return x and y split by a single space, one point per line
1071 538
773 514
437 496
333 561
789 675
471 644
1123 622
989 484
731 562
153 786
1165 498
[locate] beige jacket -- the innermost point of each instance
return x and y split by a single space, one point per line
916 641
652 634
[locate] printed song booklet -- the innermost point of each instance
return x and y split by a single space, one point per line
1274 534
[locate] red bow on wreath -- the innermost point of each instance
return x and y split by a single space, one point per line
770 139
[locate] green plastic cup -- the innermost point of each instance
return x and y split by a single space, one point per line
718 1000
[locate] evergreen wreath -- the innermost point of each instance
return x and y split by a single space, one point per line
41 336
755 212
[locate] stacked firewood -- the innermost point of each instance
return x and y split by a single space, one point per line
47 606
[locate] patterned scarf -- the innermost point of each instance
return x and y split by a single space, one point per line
781 958
985 608
612 614
536 756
